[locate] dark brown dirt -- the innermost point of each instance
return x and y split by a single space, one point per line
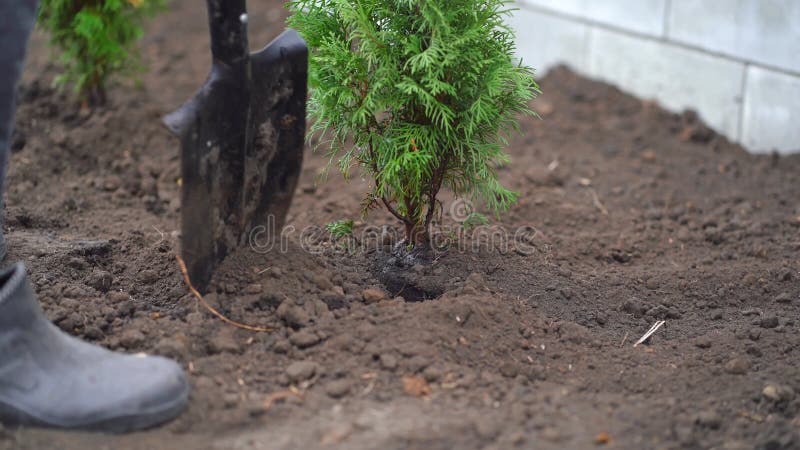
631 215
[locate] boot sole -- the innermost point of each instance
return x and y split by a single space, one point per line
11 416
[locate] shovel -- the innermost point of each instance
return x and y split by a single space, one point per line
242 137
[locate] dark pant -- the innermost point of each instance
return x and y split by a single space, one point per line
16 21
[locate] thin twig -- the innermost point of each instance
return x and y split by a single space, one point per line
624 338
210 308
597 203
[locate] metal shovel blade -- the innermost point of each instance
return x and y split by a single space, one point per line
241 139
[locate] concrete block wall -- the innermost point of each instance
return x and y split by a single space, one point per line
736 62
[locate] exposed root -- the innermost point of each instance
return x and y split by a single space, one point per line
598 204
283 395
210 308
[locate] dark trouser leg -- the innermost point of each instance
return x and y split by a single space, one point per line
17 18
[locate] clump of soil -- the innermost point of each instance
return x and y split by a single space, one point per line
627 215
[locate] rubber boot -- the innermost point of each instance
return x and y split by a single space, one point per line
49 378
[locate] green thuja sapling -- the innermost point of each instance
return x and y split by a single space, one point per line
97 39
420 95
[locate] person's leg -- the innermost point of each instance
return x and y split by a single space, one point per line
47 377
17 18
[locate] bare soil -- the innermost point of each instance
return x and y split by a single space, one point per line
631 215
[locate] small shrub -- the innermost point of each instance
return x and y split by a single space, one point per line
340 228
420 94
97 39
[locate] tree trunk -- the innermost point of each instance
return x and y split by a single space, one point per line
418 235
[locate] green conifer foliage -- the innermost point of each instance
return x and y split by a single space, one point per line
420 94
97 39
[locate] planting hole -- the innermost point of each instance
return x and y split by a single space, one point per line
411 288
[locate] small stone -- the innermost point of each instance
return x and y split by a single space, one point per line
432 374
708 419
754 351
255 407
658 311
171 348
703 342
148 276
338 388
253 289
684 433
416 386
111 183
18 140
601 318
320 309
651 284
713 235
334 299
602 439
301 371
118 296
322 282
768 322
293 315
633 306
573 332
131 338
74 291
783 298
388 362
93 332
100 280
281 347
737 366
304 339
230 400
373 295
508 370
736 445
541 176
551 434
754 334
76 263
71 322
417 363
488 428
224 342
778 393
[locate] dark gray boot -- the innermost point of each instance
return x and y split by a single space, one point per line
49 378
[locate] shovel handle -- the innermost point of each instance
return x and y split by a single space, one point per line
227 22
